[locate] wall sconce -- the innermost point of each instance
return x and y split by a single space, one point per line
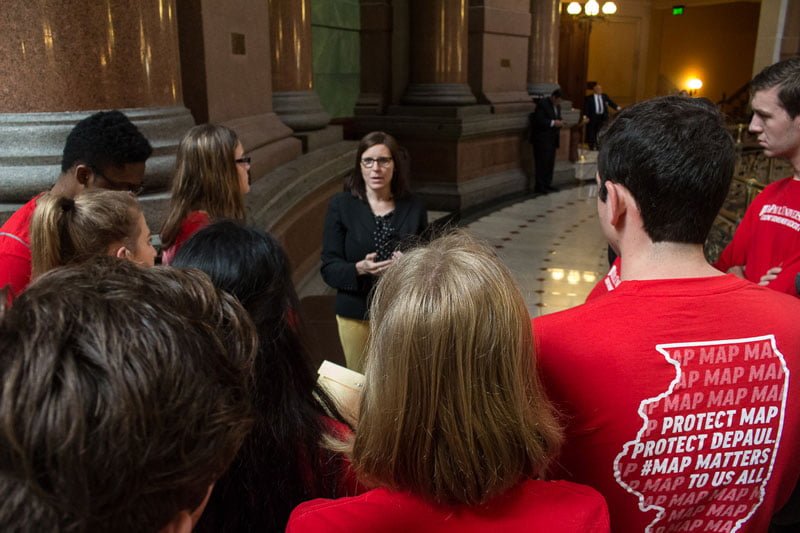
591 9
694 84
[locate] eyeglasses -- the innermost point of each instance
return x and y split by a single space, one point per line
134 188
243 161
383 162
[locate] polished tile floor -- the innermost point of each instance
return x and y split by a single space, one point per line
552 244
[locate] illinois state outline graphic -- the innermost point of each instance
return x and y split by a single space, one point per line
708 444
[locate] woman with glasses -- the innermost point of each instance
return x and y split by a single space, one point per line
97 222
366 227
455 432
212 175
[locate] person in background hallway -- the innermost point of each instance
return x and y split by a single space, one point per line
595 108
125 397
284 460
103 151
97 222
544 127
675 387
455 432
766 246
212 176
366 227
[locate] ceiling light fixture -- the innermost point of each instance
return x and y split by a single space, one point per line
591 9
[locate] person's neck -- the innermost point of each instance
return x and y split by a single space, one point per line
379 197
665 260
795 162
65 185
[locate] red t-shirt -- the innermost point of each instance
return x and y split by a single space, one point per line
678 402
530 506
609 282
768 236
15 249
194 222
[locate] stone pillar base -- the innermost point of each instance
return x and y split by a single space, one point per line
510 102
441 94
314 140
291 201
369 104
267 140
540 90
300 110
31 146
457 196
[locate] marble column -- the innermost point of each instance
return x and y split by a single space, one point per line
376 57
543 48
791 31
59 63
293 97
499 34
227 79
438 70
543 53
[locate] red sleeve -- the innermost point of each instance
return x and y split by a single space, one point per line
735 254
15 270
193 223
785 282
598 512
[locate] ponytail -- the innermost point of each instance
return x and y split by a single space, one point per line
64 230
49 232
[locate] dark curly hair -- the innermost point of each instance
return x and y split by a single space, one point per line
106 138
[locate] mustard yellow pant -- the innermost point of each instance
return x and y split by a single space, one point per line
353 335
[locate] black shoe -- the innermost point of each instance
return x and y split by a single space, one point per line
537 190
550 188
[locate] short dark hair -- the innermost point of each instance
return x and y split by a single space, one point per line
676 158
261 489
786 75
106 138
125 395
557 93
354 183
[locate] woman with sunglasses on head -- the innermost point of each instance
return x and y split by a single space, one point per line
212 175
365 227
97 222
455 432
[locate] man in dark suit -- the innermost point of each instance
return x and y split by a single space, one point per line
595 108
544 125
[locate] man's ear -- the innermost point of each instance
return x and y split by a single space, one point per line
616 202
83 174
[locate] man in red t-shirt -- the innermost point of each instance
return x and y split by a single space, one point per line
675 386
766 246
104 150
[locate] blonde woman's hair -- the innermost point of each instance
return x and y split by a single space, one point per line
205 179
66 231
453 409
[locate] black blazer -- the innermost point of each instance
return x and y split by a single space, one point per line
590 110
539 123
349 236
